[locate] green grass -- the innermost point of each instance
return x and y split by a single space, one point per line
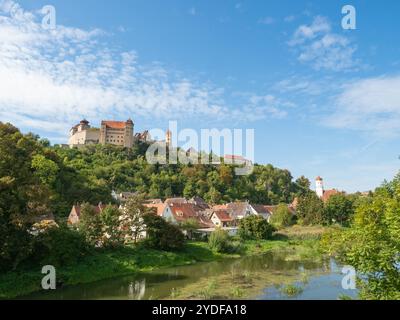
105 264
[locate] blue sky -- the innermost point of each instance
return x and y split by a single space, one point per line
322 100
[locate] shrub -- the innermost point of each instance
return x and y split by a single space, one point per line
59 246
220 241
161 234
255 228
282 217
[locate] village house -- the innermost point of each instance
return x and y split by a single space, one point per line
75 213
177 213
221 218
262 210
239 210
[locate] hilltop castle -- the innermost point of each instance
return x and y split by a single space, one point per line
118 133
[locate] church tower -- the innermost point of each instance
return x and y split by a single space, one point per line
319 187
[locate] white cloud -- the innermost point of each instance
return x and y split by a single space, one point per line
259 106
51 78
369 105
324 50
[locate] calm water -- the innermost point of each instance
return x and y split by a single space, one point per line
323 280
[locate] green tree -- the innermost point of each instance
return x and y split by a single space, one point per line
111 226
372 244
90 225
132 219
213 196
46 169
338 209
310 209
59 246
255 228
161 234
303 185
22 195
282 217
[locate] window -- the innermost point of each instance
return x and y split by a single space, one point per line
179 213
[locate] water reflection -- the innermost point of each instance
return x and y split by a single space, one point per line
323 280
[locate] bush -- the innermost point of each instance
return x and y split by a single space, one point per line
161 234
282 217
255 228
59 246
220 241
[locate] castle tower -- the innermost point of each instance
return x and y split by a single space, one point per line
319 186
103 133
83 125
128 136
168 138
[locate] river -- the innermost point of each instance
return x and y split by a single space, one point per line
264 277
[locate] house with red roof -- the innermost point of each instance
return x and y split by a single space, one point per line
75 213
221 218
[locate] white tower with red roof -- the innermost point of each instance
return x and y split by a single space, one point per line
319 186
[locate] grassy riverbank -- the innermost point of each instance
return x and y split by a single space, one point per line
104 264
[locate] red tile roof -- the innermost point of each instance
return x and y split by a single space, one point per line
223 216
183 211
114 124
328 194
